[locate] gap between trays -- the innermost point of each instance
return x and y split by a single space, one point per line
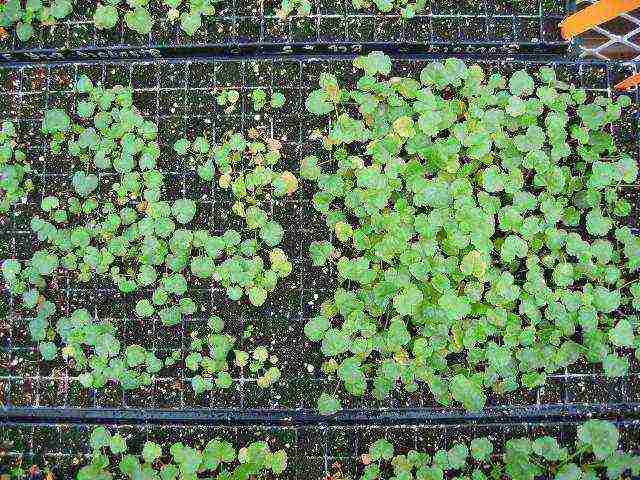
265 50
230 417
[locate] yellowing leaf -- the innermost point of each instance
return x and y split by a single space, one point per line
290 181
403 126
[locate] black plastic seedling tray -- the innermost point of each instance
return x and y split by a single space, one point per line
179 96
334 26
314 451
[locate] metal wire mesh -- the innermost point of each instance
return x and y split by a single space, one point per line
333 26
179 96
313 451
617 39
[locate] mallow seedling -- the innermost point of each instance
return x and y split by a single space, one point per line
15 183
480 225
115 225
594 454
217 458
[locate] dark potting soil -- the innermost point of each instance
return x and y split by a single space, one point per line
180 97
243 22
313 452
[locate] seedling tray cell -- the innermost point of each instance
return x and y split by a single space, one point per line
333 26
179 96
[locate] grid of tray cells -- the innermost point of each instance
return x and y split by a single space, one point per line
313 451
180 97
331 22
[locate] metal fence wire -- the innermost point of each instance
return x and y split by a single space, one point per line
333 26
617 39
179 96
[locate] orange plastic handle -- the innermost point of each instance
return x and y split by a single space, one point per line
594 15
628 83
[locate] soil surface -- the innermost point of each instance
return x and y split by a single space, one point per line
450 22
179 96
313 452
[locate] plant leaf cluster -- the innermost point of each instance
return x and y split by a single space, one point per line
594 455
258 98
115 224
480 231
209 355
407 8
15 183
137 17
23 15
246 168
218 459
302 8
